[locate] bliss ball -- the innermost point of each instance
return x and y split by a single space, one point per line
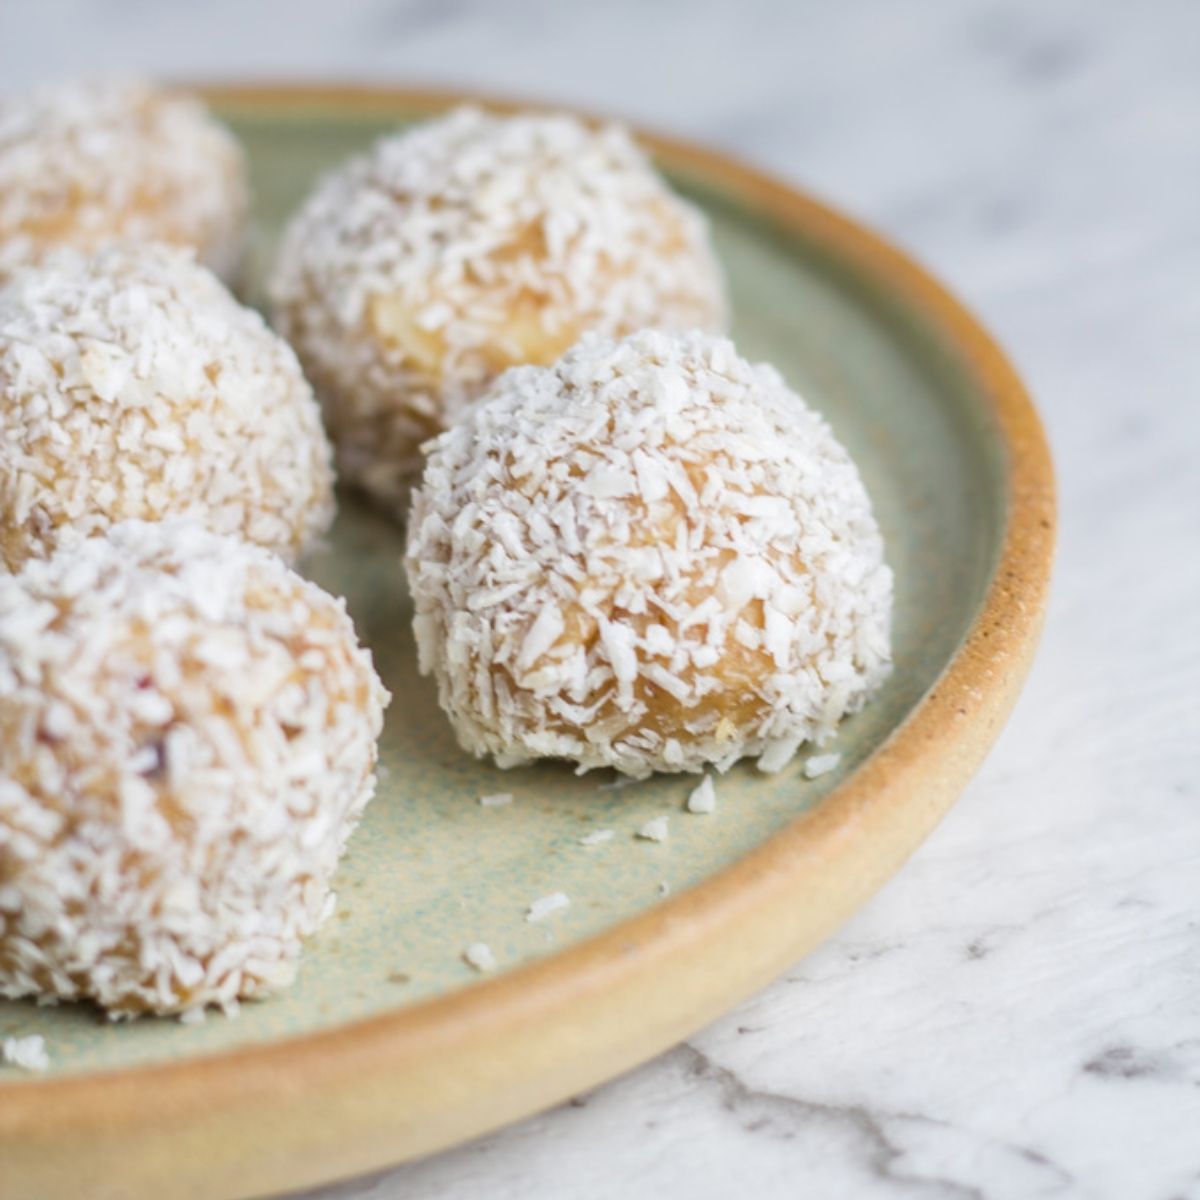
134 386
86 163
187 738
652 556
419 272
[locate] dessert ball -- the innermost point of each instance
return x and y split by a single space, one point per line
86 163
417 273
651 556
187 738
133 385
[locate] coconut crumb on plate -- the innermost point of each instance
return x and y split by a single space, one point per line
28 1053
703 798
543 906
479 955
596 837
619 784
820 764
496 800
654 830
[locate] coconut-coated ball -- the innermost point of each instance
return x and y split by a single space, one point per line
134 386
187 738
652 556
418 272
83 163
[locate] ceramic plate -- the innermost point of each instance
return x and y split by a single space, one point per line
390 1045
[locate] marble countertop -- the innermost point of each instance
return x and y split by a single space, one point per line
1017 1014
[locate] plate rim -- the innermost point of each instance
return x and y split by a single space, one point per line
323 1105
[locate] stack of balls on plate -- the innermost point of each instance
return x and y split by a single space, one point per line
627 546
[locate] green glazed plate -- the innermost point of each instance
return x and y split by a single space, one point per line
390 1045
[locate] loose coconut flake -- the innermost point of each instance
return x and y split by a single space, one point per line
596 837
657 829
703 798
820 764
28 1053
479 955
542 907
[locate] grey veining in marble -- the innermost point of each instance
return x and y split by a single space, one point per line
1018 1013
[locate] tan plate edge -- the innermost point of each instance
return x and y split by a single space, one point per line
331 1104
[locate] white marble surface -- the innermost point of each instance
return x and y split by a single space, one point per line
1018 1013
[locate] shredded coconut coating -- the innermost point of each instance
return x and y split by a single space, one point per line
133 385
187 738
652 556
88 162
417 273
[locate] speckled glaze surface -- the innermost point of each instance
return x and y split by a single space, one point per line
953 458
